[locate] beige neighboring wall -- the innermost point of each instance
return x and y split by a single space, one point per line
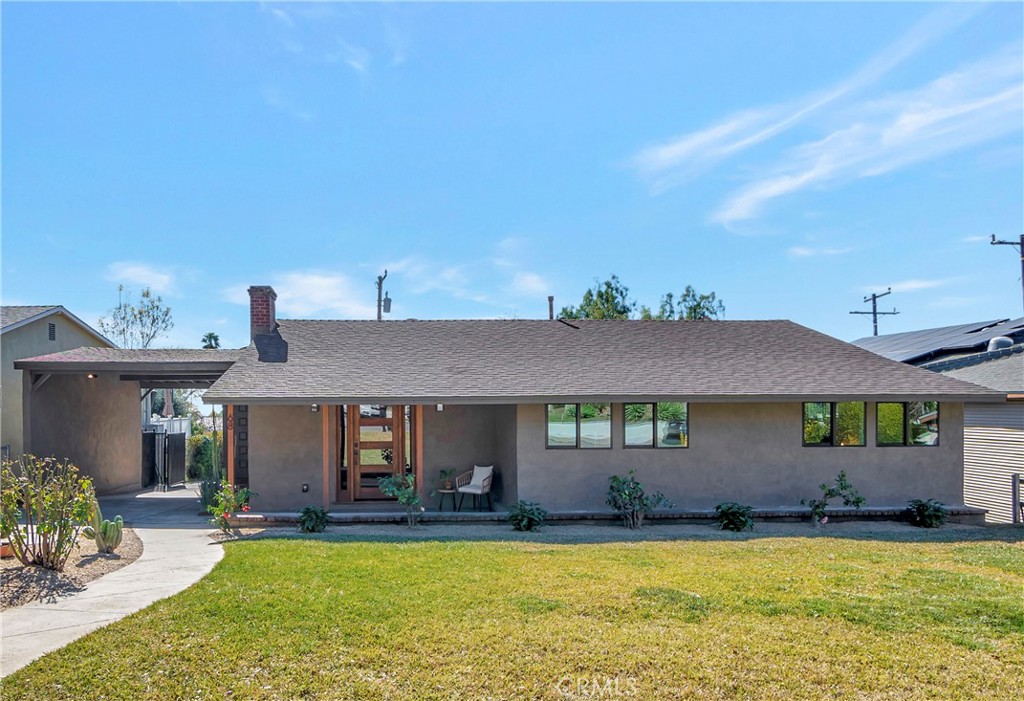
94 423
27 342
286 451
750 453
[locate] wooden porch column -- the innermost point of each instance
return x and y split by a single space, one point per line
327 454
417 417
229 440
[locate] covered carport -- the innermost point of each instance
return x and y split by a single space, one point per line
84 404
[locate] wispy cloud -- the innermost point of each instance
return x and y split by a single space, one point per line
312 293
529 284
808 252
671 163
907 286
977 103
274 97
130 273
355 57
974 239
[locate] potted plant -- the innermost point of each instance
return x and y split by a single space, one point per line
445 478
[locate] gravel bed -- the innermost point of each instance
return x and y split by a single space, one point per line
20 585
613 532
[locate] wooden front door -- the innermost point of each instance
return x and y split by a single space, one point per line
377 446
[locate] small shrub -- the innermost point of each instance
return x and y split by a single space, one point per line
312 519
841 489
403 489
734 517
928 513
526 516
107 534
227 501
55 502
626 495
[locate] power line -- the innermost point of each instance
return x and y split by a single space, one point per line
873 298
1020 250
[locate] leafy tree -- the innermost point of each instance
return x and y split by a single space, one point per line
211 340
137 326
608 300
691 306
179 402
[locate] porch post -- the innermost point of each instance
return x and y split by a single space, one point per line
417 431
229 440
327 454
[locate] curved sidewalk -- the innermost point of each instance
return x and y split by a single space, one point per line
177 553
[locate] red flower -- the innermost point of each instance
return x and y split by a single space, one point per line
245 507
227 515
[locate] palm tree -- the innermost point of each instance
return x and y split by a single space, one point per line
211 340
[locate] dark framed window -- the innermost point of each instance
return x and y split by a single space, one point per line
907 423
661 425
578 425
830 424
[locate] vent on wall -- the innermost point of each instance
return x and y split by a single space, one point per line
52 332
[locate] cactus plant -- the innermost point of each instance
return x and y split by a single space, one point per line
107 534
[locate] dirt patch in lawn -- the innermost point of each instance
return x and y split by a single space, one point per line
22 585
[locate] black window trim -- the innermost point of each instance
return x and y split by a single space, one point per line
833 409
654 429
547 441
908 441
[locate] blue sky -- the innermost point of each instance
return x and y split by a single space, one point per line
790 157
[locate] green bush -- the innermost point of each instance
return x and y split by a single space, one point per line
927 513
54 502
627 496
841 489
228 500
734 517
403 489
312 519
526 516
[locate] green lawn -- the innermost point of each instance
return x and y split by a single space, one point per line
764 618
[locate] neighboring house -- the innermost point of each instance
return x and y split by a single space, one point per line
990 354
26 332
759 412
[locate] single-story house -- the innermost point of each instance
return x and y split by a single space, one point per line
759 412
990 354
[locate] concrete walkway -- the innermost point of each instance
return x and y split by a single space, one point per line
177 552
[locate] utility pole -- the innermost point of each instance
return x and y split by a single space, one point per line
873 298
383 304
1020 250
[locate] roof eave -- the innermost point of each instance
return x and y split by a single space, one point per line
992 397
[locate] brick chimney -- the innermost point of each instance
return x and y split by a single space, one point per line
262 310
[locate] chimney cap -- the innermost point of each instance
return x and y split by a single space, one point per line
262 290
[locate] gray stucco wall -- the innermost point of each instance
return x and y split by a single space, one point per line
27 342
285 451
462 436
94 423
750 453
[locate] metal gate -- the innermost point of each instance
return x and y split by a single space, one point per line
163 459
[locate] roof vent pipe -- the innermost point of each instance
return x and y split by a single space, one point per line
999 342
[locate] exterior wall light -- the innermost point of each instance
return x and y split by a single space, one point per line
314 408
91 376
440 407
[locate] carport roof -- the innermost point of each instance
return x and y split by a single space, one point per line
184 367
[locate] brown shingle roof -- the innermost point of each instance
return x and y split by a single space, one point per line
509 361
119 359
13 314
